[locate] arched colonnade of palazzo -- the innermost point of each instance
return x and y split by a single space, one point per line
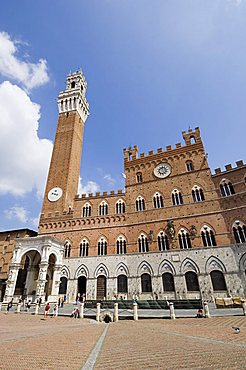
35 269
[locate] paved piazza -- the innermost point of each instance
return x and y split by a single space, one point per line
27 342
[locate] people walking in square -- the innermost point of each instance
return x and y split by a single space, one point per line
46 310
55 310
10 304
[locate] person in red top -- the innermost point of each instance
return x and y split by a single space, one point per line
46 310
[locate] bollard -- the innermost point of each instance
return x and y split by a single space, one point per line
18 308
172 313
81 310
116 313
206 309
36 309
135 311
98 312
244 307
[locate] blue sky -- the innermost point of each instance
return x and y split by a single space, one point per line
154 68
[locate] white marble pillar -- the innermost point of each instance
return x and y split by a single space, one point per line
40 293
11 282
55 283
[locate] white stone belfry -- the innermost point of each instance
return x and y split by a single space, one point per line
73 98
38 250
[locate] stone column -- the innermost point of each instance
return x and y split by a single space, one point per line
135 311
116 313
206 309
11 282
244 307
36 308
40 293
56 282
18 307
81 310
172 312
98 312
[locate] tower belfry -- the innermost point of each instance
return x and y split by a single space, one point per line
64 171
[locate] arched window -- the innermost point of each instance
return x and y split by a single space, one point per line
146 283
140 204
102 246
197 194
184 239
84 246
208 237
143 244
168 282
218 280
139 177
120 206
72 84
67 249
189 166
163 242
177 198
239 232
103 208
121 245
191 281
158 200
87 210
226 188
122 286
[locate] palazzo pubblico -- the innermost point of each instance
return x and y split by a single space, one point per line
177 231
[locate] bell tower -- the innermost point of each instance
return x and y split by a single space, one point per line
63 177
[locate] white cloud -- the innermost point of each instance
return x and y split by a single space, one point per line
89 187
109 179
19 213
24 158
29 74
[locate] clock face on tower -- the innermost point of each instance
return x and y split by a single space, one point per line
162 170
54 194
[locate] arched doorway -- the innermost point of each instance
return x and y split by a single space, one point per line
63 285
101 287
82 286
49 276
146 284
218 280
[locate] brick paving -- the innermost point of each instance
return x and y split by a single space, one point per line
27 342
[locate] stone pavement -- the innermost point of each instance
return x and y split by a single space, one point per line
28 342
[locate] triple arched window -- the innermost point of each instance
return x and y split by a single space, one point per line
163 242
83 249
102 246
140 203
158 200
87 210
121 245
103 208
239 232
197 194
189 166
226 188
139 177
177 197
67 249
143 243
184 239
120 206
208 237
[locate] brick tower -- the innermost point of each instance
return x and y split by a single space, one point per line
63 177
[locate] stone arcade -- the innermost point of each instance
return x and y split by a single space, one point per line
177 231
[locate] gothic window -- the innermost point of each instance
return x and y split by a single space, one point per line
121 245
218 280
122 286
140 204
189 166
184 239
146 283
208 237
177 198
143 244
226 188
103 208
120 206
102 247
87 210
239 232
139 177
73 85
84 246
163 242
158 200
191 281
67 249
168 282
197 194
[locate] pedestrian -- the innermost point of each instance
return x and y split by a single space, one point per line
62 302
39 302
199 313
10 304
73 313
55 310
46 310
28 306
59 302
